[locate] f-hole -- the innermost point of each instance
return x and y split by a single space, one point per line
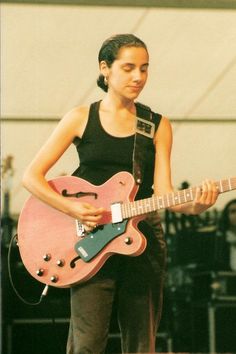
78 194
72 263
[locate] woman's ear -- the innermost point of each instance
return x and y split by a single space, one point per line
104 68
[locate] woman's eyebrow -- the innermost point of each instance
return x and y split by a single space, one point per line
132 64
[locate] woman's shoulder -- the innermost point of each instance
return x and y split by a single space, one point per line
77 113
165 124
75 120
164 132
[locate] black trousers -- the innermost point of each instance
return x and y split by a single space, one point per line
137 284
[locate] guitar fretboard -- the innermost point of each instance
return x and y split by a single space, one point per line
144 206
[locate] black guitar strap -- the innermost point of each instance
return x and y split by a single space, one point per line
147 124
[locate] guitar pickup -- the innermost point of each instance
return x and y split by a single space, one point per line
116 213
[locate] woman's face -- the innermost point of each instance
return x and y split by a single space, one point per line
128 73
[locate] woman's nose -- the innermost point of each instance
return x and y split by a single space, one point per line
137 75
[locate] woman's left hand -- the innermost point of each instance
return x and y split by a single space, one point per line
206 196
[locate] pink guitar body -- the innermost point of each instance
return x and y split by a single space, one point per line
47 237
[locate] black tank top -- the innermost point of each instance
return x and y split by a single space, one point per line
102 155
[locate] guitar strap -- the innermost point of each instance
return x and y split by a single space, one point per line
146 126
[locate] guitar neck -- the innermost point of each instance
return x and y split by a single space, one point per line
144 206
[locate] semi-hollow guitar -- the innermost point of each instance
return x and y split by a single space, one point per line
53 246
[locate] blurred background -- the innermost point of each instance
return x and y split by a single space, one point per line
49 65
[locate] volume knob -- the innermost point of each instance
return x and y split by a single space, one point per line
60 262
40 272
47 257
54 279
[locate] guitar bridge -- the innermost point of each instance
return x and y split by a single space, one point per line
80 230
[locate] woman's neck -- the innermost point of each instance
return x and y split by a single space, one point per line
114 103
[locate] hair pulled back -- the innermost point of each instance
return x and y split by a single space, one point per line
110 49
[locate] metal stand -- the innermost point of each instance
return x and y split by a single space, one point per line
211 328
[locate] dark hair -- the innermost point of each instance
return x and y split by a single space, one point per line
224 219
110 49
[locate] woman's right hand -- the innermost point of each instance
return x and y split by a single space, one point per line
86 213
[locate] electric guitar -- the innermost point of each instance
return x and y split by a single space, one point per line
53 246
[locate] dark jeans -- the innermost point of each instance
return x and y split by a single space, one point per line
137 283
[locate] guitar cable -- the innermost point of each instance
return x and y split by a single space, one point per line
45 289
42 296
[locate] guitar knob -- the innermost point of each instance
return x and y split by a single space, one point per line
60 262
47 257
128 240
54 279
40 272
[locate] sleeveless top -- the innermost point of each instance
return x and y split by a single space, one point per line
102 155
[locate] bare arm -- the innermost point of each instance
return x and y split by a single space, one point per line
206 196
71 125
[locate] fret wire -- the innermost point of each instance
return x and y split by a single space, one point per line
145 206
191 193
167 200
151 205
155 206
153 202
188 195
233 182
179 197
173 198
140 207
135 208
158 204
131 209
184 192
230 187
176 197
126 210
221 187
123 211
161 200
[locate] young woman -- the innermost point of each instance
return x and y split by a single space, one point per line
104 135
